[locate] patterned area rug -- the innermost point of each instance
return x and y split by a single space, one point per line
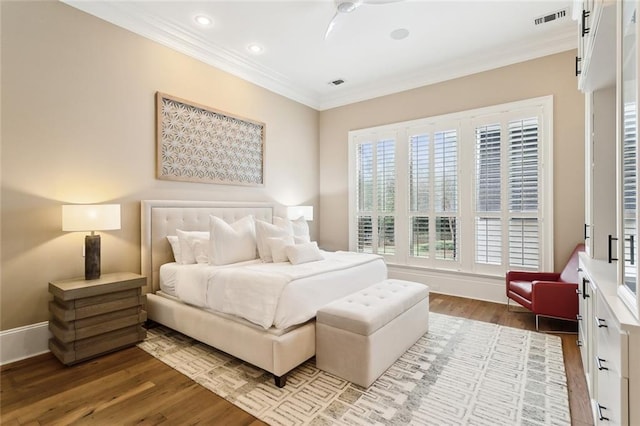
462 372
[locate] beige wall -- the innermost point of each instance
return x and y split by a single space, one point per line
78 125
551 75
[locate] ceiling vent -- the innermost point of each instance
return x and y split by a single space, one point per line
337 82
551 17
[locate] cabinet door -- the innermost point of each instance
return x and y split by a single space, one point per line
628 151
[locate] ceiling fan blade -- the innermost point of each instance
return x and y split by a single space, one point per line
331 25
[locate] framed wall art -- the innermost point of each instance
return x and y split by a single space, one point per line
196 143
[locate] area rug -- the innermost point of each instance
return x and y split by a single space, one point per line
462 372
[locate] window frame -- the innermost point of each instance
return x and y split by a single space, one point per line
465 122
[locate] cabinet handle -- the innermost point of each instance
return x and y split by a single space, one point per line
584 288
601 323
578 71
579 317
586 237
600 415
585 15
599 362
579 343
632 249
611 239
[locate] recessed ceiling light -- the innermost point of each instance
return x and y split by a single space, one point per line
254 48
203 20
399 34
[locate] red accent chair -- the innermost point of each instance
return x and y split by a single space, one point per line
547 294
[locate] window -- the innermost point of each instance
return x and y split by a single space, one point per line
376 183
464 191
437 180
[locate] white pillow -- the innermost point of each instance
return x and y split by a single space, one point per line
278 246
302 239
299 226
175 247
264 231
303 253
185 240
200 248
231 243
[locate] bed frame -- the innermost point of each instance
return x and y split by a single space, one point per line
271 350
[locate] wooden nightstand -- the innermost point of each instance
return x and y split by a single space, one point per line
90 318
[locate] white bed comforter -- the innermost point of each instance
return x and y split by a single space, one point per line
252 290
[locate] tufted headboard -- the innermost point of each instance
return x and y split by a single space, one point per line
160 218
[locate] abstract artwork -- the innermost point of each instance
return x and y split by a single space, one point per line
196 143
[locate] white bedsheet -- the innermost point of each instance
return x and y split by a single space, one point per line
273 294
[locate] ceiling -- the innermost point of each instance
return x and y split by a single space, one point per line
447 39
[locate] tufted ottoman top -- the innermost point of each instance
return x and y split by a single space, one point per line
368 310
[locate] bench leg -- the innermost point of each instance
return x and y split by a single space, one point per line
280 381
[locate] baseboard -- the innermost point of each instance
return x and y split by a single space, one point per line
480 287
24 342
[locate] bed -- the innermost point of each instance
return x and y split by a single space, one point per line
275 349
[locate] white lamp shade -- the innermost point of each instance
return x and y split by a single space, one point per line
90 217
294 212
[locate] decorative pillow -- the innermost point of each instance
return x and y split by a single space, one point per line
301 239
231 243
278 246
175 247
303 253
264 231
299 226
185 240
200 248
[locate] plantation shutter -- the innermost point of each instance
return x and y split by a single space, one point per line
375 196
364 191
419 188
386 184
523 184
488 180
629 191
445 176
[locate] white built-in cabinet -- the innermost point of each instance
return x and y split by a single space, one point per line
608 319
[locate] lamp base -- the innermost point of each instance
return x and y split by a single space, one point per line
91 257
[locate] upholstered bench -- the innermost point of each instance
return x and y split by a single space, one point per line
361 335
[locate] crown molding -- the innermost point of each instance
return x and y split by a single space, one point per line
477 63
126 15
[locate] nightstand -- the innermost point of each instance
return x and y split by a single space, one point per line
92 317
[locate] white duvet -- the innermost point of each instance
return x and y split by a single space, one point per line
275 294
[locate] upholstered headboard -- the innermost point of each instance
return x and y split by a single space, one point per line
160 218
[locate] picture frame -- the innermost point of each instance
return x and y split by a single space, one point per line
197 143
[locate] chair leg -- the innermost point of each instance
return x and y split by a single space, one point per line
553 331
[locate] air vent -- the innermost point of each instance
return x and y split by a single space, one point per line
337 82
551 17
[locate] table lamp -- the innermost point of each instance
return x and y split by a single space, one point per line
91 217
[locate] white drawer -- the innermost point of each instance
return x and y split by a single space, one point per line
612 345
611 403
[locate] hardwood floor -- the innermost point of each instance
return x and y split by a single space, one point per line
132 387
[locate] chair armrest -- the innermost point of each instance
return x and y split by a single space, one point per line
555 299
532 276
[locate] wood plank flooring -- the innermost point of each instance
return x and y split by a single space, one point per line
132 387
